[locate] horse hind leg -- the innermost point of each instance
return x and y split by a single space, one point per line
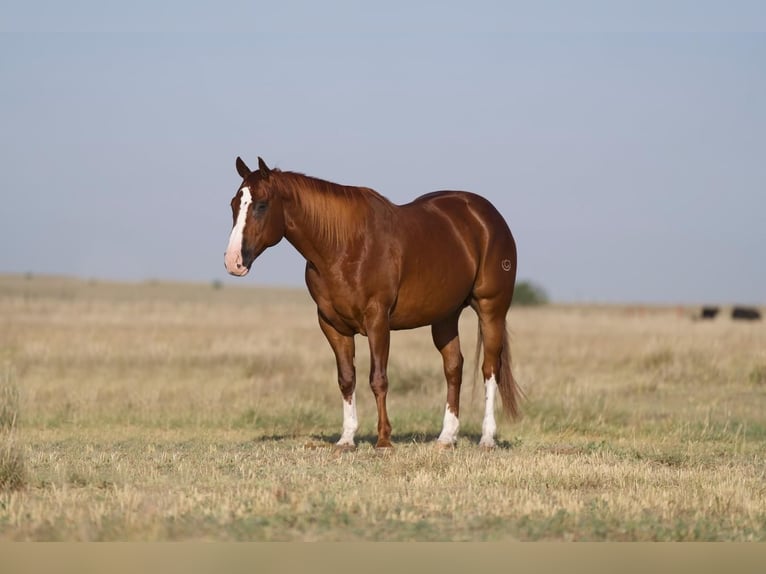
496 370
445 337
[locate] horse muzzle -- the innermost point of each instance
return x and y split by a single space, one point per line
234 264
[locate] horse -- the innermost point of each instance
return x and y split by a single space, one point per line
373 267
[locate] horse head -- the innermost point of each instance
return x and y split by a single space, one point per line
258 217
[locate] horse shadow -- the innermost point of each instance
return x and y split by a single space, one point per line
409 438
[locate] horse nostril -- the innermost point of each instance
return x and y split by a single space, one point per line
239 266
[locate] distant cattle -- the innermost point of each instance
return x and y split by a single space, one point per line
709 312
745 313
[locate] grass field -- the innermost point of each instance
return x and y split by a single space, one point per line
188 412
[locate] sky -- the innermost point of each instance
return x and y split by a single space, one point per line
624 142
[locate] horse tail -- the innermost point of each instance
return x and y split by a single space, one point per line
511 393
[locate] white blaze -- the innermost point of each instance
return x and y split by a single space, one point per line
233 257
350 422
449 428
488 427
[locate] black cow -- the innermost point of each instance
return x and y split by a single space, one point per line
745 313
709 312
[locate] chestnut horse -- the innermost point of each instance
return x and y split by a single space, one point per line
373 267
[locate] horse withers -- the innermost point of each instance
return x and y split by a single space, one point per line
373 267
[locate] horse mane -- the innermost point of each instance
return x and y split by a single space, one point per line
336 212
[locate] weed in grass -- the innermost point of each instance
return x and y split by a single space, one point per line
13 475
9 401
657 359
13 471
757 375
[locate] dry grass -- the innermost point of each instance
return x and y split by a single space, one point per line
165 412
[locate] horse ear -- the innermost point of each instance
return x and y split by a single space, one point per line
242 169
263 168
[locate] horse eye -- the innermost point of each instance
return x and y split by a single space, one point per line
260 207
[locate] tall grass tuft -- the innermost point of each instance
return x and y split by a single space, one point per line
13 472
12 465
9 402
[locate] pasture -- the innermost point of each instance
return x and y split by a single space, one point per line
162 411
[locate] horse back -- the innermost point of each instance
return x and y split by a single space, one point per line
455 223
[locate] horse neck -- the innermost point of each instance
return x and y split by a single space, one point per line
320 217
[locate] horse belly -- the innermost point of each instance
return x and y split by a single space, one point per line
432 290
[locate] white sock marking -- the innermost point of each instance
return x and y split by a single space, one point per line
233 257
350 422
488 427
449 428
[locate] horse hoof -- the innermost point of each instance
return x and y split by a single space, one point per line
487 445
345 447
444 445
384 447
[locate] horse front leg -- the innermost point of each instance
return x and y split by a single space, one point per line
343 347
447 341
379 337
